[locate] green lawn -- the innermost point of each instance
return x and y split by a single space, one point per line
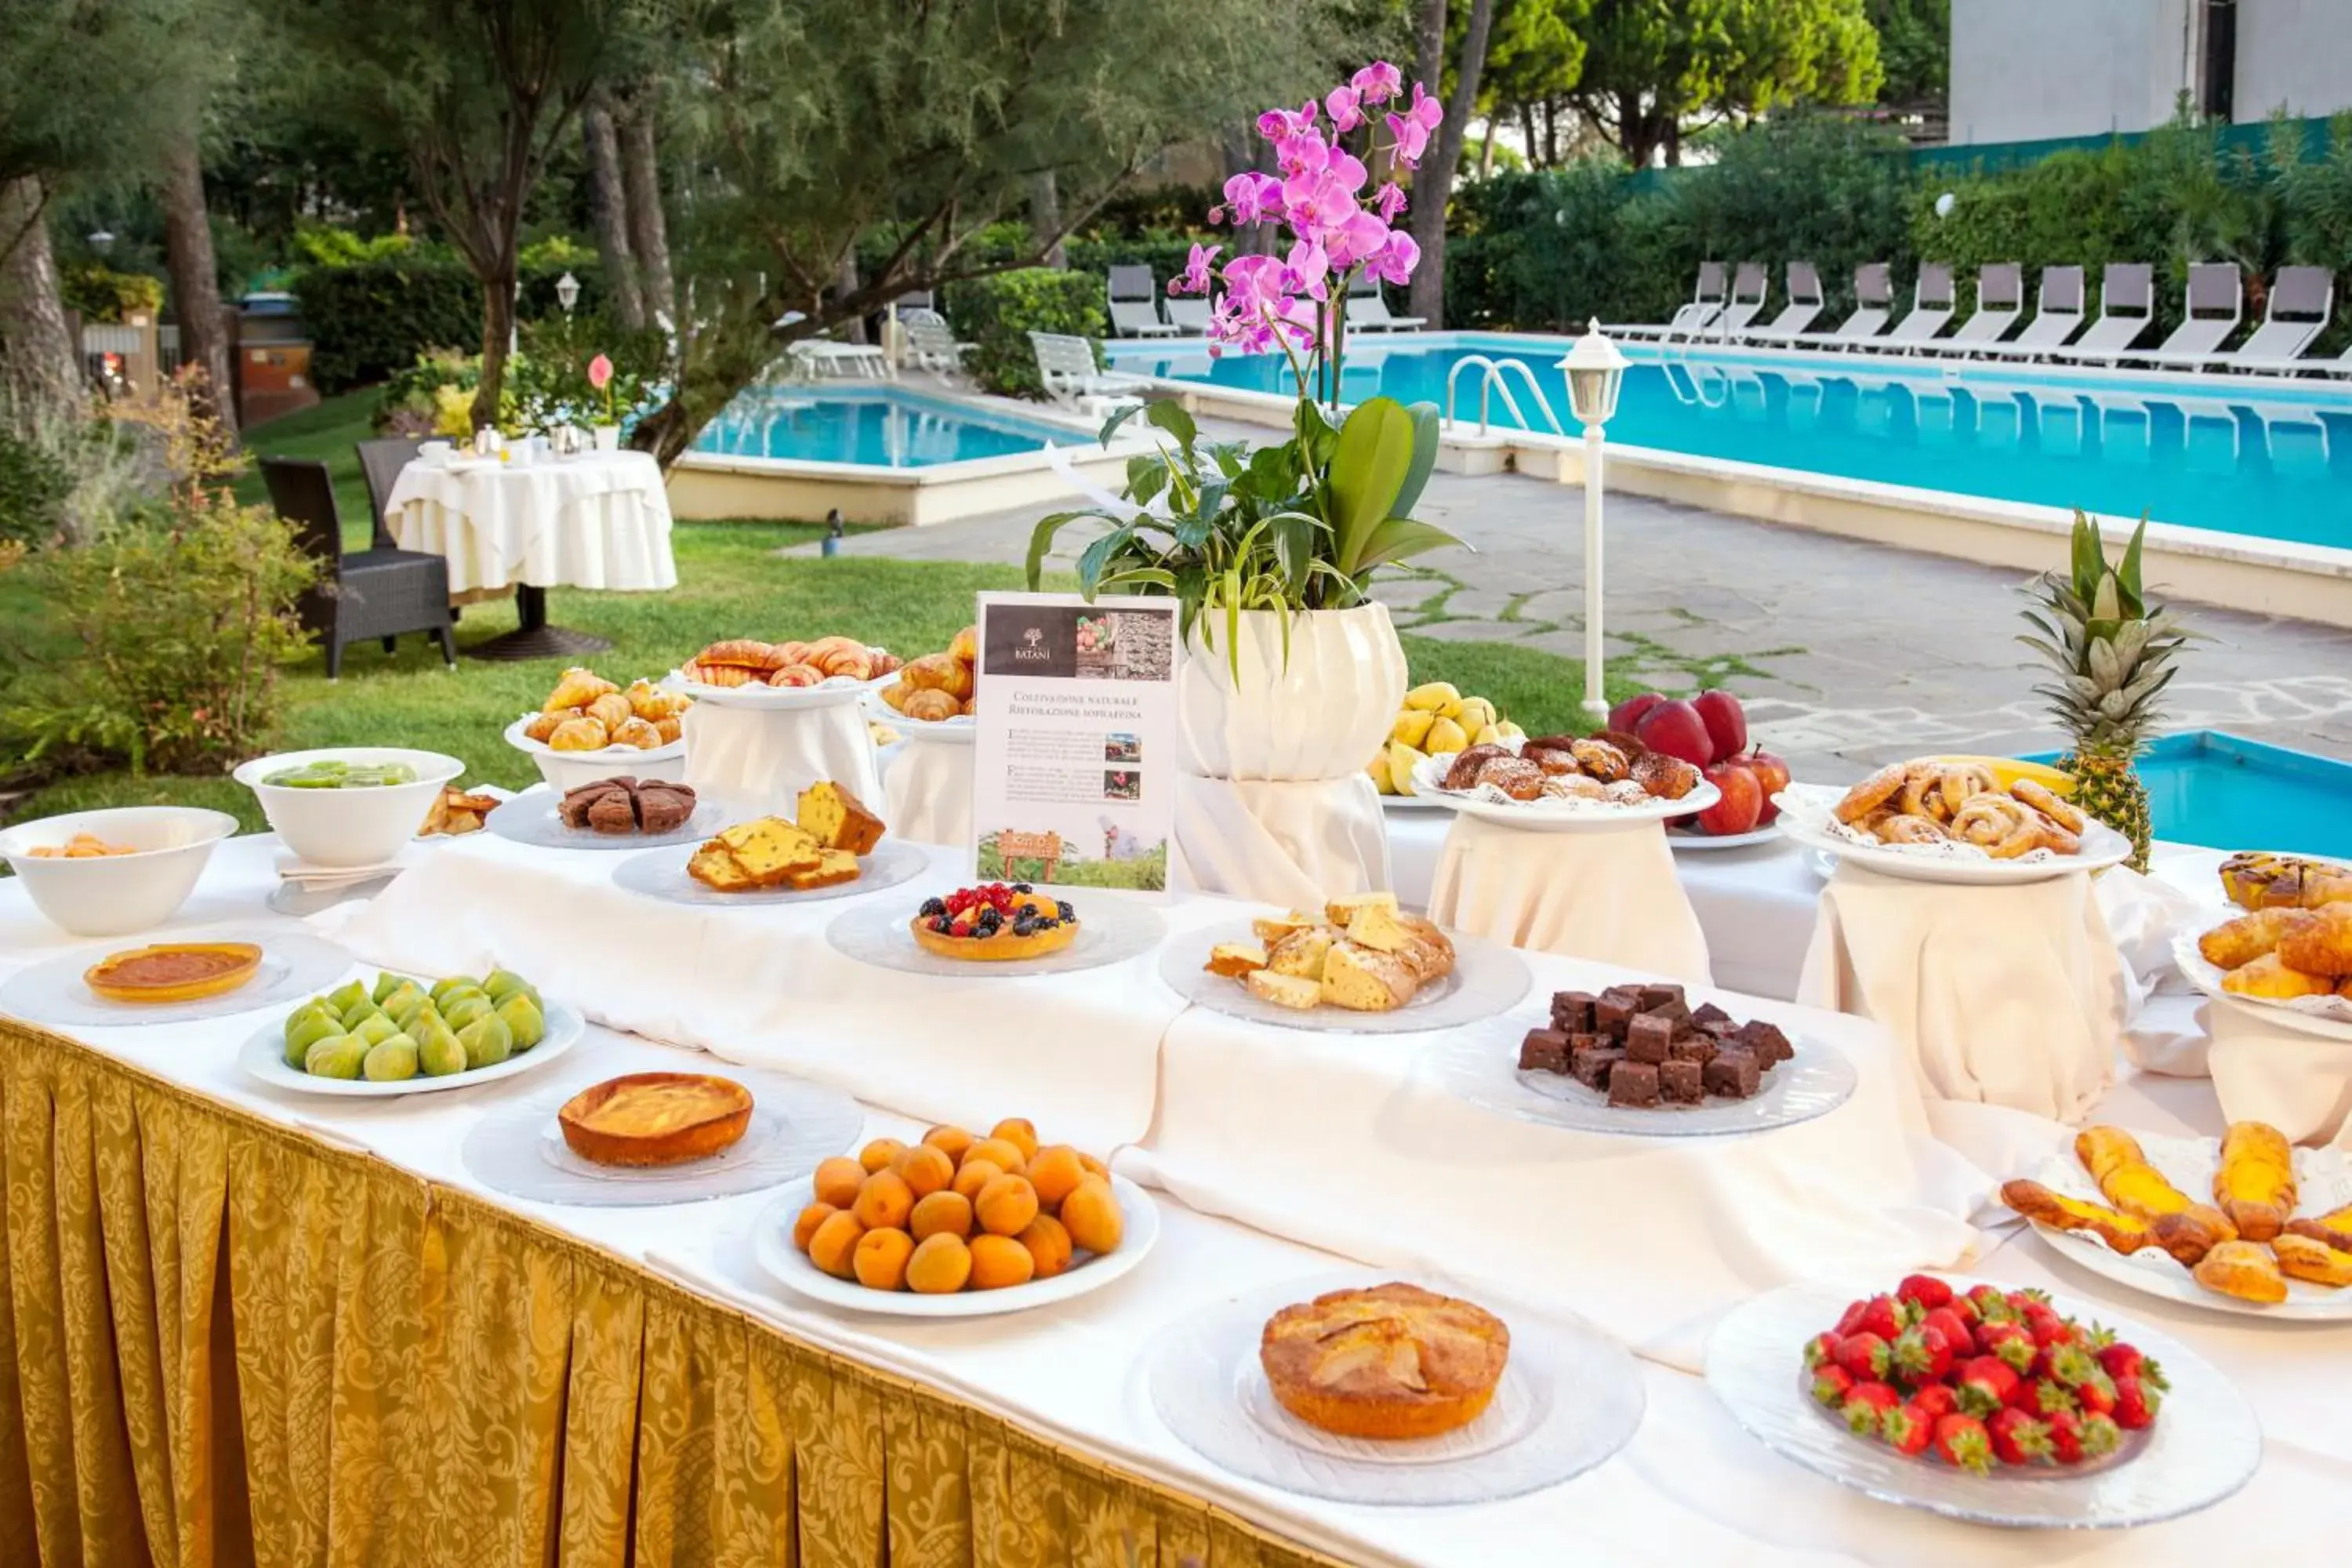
731 583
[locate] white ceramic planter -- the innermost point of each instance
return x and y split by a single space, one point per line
608 437
1322 715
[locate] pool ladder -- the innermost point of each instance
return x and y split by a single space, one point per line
1492 380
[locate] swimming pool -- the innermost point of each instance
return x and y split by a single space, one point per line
870 428
2239 458
2226 792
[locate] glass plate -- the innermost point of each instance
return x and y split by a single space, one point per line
661 873
2205 1444
2330 1017
2323 1180
772 1245
1805 813
1682 838
1488 979
263 1057
531 819
832 693
1110 930
294 965
1481 1069
519 1151
1568 1399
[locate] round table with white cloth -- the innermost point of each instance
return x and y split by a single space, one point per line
1610 896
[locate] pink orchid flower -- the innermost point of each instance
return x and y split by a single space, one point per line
1197 274
1305 270
1278 122
1357 238
1389 201
600 373
1394 261
1377 82
1341 101
1412 128
1251 199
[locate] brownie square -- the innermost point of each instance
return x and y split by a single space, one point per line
1696 1048
1708 1013
1580 1044
1680 1082
1674 1013
1733 1074
1571 1011
1592 1067
1656 996
1646 1039
1717 1029
1634 1083
1611 1014
1544 1050
1769 1044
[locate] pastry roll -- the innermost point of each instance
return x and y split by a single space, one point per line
2255 1185
2235 943
2116 1161
2301 1258
2270 977
542 725
577 688
638 733
612 710
577 735
2335 1229
931 707
965 648
2321 943
2243 1270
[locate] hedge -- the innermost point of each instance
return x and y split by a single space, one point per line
370 321
996 314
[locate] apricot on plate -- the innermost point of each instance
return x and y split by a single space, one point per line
1048 1245
837 1181
998 1261
815 1215
1007 1206
949 1140
941 1265
1017 1132
976 1174
1094 1167
884 1202
835 1244
1000 1152
948 1211
925 1170
881 1259
1054 1171
881 1154
1090 1214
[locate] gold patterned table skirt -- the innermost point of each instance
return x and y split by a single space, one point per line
222 1343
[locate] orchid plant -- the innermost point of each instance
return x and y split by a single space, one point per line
1299 526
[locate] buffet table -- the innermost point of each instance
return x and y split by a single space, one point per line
241 1273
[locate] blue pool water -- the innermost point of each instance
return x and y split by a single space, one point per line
2272 464
869 427
2205 787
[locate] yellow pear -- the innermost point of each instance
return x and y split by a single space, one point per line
1377 771
1402 759
1446 735
1508 732
1433 696
1487 735
1411 726
1476 713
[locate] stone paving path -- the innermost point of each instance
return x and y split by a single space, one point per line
1847 654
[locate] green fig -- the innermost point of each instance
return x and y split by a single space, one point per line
461 1011
440 1054
441 988
427 1016
487 1041
303 1031
501 984
524 1020
386 982
346 996
391 1059
337 1055
403 1004
308 1011
375 1028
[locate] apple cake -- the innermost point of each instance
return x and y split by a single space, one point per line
1390 1361
655 1119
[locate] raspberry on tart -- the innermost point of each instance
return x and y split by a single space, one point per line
994 923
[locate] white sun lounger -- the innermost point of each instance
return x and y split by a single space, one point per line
1930 313
1805 304
1705 304
1872 292
2300 299
2126 306
2001 301
1368 311
1188 313
1750 286
1066 364
2057 316
1135 304
2215 289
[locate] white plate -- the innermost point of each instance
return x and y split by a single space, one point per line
1568 1399
2323 1184
1111 930
531 819
1554 816
1805 814
1482 1070
771 1245
662 874
1488 979
1684 838
1413 802
825 694
2204 1446
294 965
956 731
2327 1016
263 1057
618 758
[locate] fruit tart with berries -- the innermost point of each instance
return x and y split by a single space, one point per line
994 923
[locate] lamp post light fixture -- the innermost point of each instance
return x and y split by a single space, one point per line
567 292
1595 370
102 240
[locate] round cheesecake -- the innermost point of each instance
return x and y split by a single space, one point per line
174 972
993 923
655 1119
1392 1361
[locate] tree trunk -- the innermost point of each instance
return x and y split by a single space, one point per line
1432 180
40 364
195 281
1045 217
845 284
608 213
1528 136
648 233
1487 152
1443 157
498 337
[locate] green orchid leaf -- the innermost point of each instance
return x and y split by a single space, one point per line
1146 477
1097 557
1367 469
1041 540
1425 421
1119 417
1169 416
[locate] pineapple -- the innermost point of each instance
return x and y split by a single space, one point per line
2112 654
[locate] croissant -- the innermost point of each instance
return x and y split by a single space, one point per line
2322 944
577 735
895 695
638 733
2269 976
2236 943
886 662
746 652
933 671
796 675
931 706
577 688
612 710
854 662
670 730
647 701
965 646
791 653
542 725
721 674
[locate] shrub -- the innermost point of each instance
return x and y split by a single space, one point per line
98 293
372 318
998 313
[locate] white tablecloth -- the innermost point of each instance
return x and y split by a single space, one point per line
1692 1488
1613 897
927 790
597 520
763 757
1290 842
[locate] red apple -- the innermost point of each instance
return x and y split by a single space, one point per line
1742 805
1773 775
1727 723
1628 714
1674 728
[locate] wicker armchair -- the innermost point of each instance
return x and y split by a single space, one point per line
382 461
360 594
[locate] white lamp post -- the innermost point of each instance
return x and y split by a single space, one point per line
567 292
1595 370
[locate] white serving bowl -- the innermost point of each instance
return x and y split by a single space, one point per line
569 770
112 895
349 826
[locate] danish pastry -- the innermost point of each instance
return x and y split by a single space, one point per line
1600 760
1464 771
1871 793
1669 778
2049 804
577 688
930 704
577 735
1519 780
2002 826
1393 1360
2243 1270
2321 943
2269 977
2255 1186
1905 829
2304 1257
2240 942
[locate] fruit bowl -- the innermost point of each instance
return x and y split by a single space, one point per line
113 895
351 826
